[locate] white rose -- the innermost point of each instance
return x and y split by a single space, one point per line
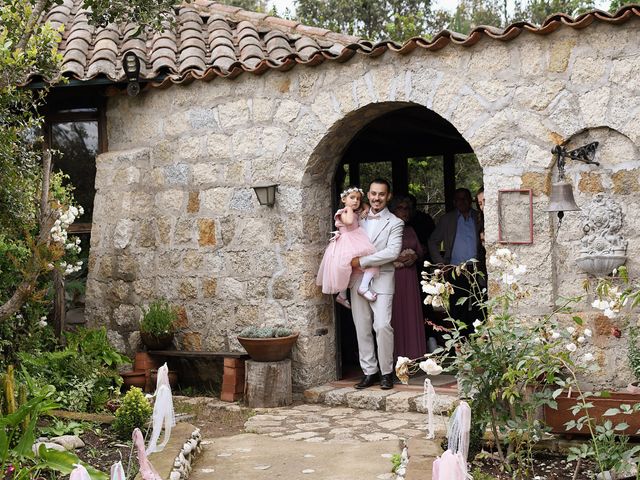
42 323
571 347
571 330
610 313
477 323
581 339
587 332
588 357
437 302
555 335
430 289
401 361
430 367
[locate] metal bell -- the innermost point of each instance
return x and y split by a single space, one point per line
562 198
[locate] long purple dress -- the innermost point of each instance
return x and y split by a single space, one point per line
407 322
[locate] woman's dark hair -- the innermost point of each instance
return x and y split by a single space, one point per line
395 201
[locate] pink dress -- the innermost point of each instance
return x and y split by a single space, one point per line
335 268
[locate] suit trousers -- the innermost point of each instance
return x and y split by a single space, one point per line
370 317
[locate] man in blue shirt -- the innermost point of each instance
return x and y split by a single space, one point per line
459 232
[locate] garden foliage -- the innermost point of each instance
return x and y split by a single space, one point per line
509 367
84 373
134 412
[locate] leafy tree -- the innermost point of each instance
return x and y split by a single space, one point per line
400 20
536 11
371 19
616 5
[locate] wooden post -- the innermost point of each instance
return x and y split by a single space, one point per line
268 384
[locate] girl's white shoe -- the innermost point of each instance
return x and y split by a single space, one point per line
367 294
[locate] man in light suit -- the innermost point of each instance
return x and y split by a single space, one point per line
385 233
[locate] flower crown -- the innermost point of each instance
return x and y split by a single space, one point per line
351 190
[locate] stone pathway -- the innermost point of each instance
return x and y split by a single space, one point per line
312 441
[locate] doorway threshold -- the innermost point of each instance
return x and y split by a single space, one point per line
402 398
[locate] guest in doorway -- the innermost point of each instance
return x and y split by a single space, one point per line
407 319
459 231
422 224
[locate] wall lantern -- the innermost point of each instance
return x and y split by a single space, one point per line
131 65
561 199
266 194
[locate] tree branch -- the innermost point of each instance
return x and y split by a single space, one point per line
38 8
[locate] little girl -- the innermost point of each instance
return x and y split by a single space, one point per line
350 241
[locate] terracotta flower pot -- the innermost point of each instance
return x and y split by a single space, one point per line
134 379
268 349
556 418
156 342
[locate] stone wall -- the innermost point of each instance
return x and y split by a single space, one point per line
175 214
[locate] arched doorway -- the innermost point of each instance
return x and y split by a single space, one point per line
423 155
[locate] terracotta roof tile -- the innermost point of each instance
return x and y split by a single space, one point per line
211 40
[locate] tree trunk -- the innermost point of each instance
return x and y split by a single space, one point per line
268 384
34 267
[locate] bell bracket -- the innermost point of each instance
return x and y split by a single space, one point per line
585 154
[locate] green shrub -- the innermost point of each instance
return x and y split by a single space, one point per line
159 318
84 373
266 332
135 411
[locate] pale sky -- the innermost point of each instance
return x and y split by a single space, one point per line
444 4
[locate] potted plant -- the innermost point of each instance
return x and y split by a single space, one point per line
268 344
157 327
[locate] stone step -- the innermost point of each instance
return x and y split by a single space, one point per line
374 398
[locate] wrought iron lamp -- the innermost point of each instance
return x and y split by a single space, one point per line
561 199
266 194
131 65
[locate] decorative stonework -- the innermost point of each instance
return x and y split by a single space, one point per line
603 246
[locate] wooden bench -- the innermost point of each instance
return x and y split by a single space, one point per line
233 374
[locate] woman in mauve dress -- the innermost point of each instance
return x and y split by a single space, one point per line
407 320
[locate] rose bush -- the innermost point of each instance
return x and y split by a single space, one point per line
508 367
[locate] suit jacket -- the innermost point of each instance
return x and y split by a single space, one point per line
386 236
446 232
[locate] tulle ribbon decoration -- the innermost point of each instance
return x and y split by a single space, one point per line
452 464
79 473
147 470
428 400
117 472
163 415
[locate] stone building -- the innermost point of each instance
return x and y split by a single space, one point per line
230 99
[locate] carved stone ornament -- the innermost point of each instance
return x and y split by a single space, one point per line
603 247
